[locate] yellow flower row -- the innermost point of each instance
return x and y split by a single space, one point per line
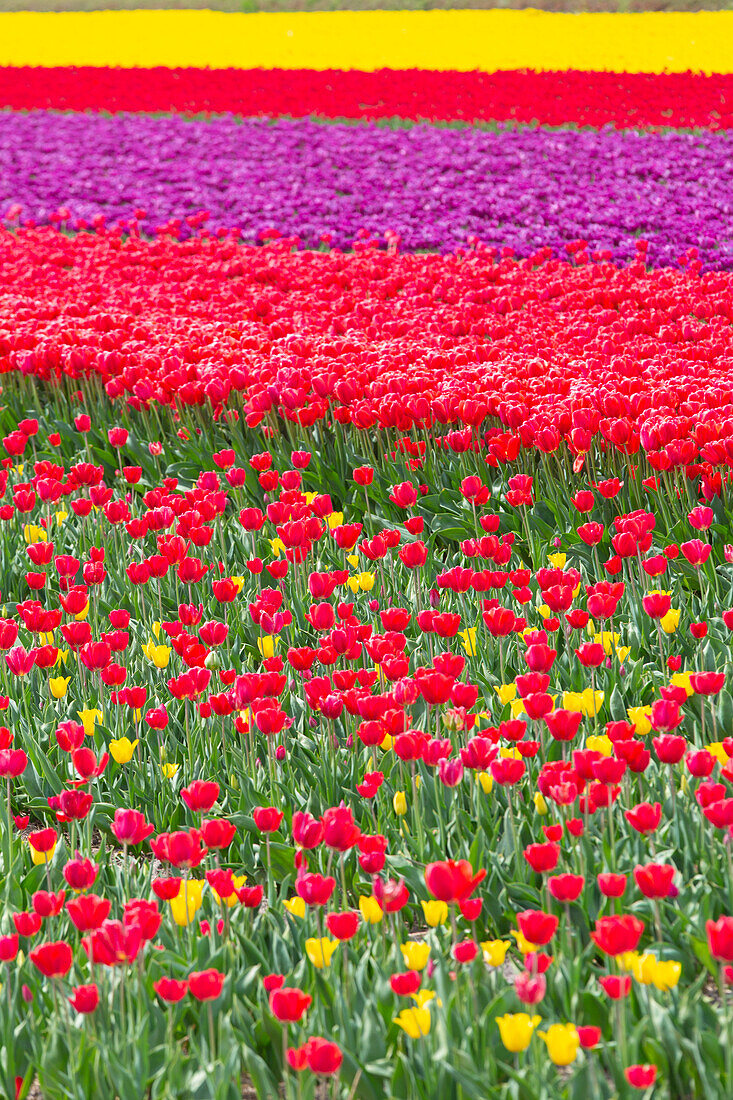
463 40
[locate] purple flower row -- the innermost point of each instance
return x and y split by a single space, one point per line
434 187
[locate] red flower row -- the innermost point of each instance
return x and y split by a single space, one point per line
624 100
540 353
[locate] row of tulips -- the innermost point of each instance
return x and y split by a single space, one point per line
572 97
372 768
426 187
576 359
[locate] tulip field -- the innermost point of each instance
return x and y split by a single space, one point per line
366 559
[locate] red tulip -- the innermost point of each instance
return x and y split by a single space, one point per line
206 985
720 938
615 935
54 960
85 999
452 880
289 1005
171 990
536 926
641 1077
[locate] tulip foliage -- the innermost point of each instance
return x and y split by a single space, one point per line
365 676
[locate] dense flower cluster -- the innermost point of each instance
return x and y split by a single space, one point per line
490 40
544 353
432 187
365 616
327 693
622 100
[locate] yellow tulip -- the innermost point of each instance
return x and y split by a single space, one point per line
670 621
239 582
353 560
608 639
83 613
267 645
424 997
717 750
399 803
169 770
435 912
415 1022
516 1030
539 803
334 520
469 640
666 975
518 708
562 1043
585 702
31 534
88 720
506 693
522 942
494 951
683 680
601 743
187 903
45 639
62 516
319 951
557 560
277 546
643 967
416 954
58 686
122 749
158 654
486 780
545 611
387 743
641 717
295 906
370 909
627 960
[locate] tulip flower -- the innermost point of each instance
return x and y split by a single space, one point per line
289 1005
562 1042
641 1076
516 1030
320 951
415 1022
416 954
452 881
494 952
53 959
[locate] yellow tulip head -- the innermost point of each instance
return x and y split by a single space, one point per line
415 1022
435 912
58 685
320 950
494 951
370 909
416 954
562 1043
516 1030
122 750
